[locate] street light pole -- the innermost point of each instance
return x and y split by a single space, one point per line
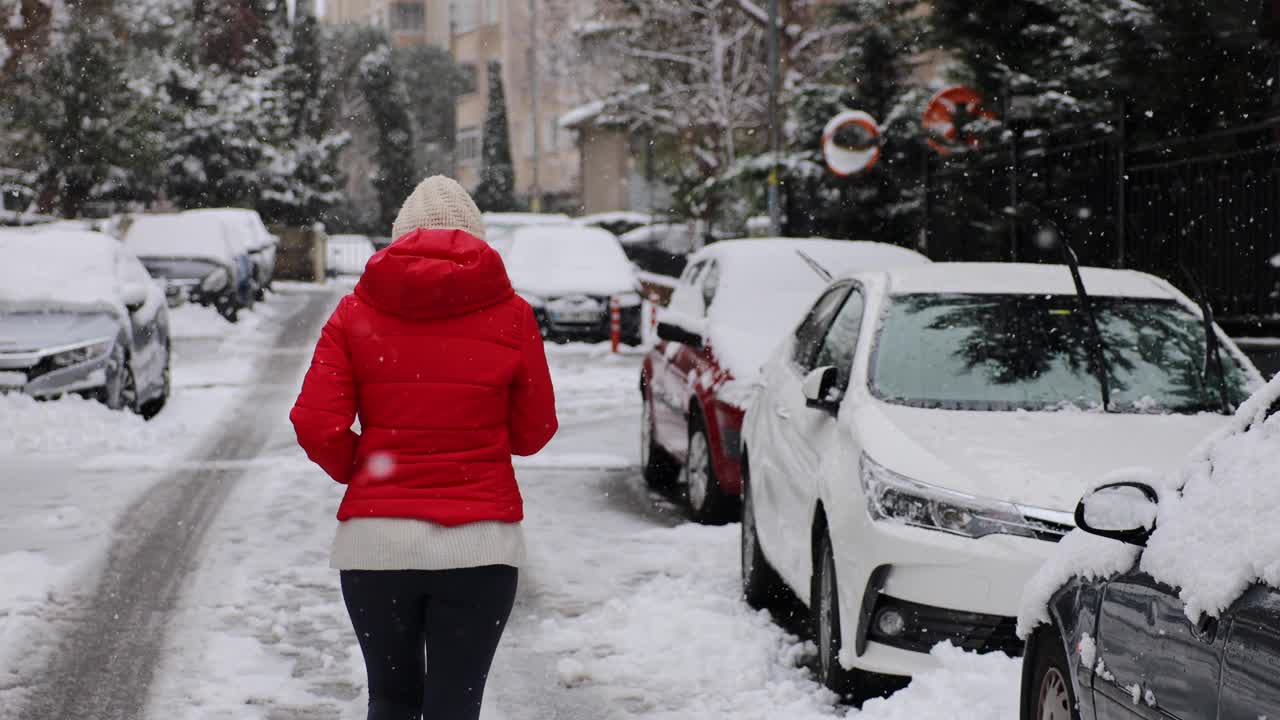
775 126
535 189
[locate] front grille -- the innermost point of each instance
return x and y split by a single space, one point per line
926 626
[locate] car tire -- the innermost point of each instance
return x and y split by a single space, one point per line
824 604
708 503
1051 694
660 469
153 407
762 588
121 390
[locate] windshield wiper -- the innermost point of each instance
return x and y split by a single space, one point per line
817 267
1098 351
1212 346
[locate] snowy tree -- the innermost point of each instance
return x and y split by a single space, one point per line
85 127
496 192
388 103
24 29
1058 59
433 82
239 35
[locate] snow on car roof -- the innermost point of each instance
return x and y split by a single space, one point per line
617 216
521 219
765 287
246 225
73 270
563 259
180 236
1022 279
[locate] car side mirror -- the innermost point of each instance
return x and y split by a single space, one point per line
820 391
1124 511
134 296
675 333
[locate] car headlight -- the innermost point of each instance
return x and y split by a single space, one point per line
896 498
215 280
533 300
77 355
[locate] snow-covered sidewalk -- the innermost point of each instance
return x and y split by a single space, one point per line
625 610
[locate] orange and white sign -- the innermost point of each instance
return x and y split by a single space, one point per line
851 143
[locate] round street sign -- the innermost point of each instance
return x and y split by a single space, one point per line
943 110
851 143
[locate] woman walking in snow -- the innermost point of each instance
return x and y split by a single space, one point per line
444 365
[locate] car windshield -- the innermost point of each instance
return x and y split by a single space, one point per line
1008 352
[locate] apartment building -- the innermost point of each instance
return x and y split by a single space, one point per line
544 154
409 22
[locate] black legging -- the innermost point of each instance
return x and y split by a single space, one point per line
457 616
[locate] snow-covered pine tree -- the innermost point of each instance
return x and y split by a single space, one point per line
87 131
388 107
496 192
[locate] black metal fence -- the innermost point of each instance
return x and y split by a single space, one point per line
1210 202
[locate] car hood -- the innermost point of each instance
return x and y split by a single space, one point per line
28 331
1043 459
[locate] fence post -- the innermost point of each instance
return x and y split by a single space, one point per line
1013 175
924 206
1121 186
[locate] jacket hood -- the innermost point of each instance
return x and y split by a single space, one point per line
428 274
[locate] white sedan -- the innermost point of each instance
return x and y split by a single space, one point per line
924 433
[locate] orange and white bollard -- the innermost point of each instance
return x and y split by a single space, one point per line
615 323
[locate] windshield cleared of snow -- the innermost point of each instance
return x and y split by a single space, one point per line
1008 352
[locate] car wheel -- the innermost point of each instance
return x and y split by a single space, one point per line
761 586
825 605
121 391
660 469
707 501
229 311
153 407
1051 695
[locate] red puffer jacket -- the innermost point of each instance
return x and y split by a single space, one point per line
444 365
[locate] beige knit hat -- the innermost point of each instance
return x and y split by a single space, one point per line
438 203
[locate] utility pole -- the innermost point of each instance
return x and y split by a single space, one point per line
535 188
775 125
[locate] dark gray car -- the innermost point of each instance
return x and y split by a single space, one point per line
83 318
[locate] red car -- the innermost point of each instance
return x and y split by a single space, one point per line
733 304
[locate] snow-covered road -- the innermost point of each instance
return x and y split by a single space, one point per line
625 609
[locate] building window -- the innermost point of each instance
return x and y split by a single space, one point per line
469 145
467 83
471 14
409 17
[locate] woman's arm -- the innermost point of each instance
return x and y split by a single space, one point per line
531 421
326 407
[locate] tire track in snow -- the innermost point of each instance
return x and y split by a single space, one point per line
104 665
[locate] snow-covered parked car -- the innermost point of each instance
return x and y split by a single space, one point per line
923 436
499 227
732 305
202 258
258 241
79 314
571 275
1166 602
348 254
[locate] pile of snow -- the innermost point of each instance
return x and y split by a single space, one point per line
70 425
59 270
1215 533
570 259
182 236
